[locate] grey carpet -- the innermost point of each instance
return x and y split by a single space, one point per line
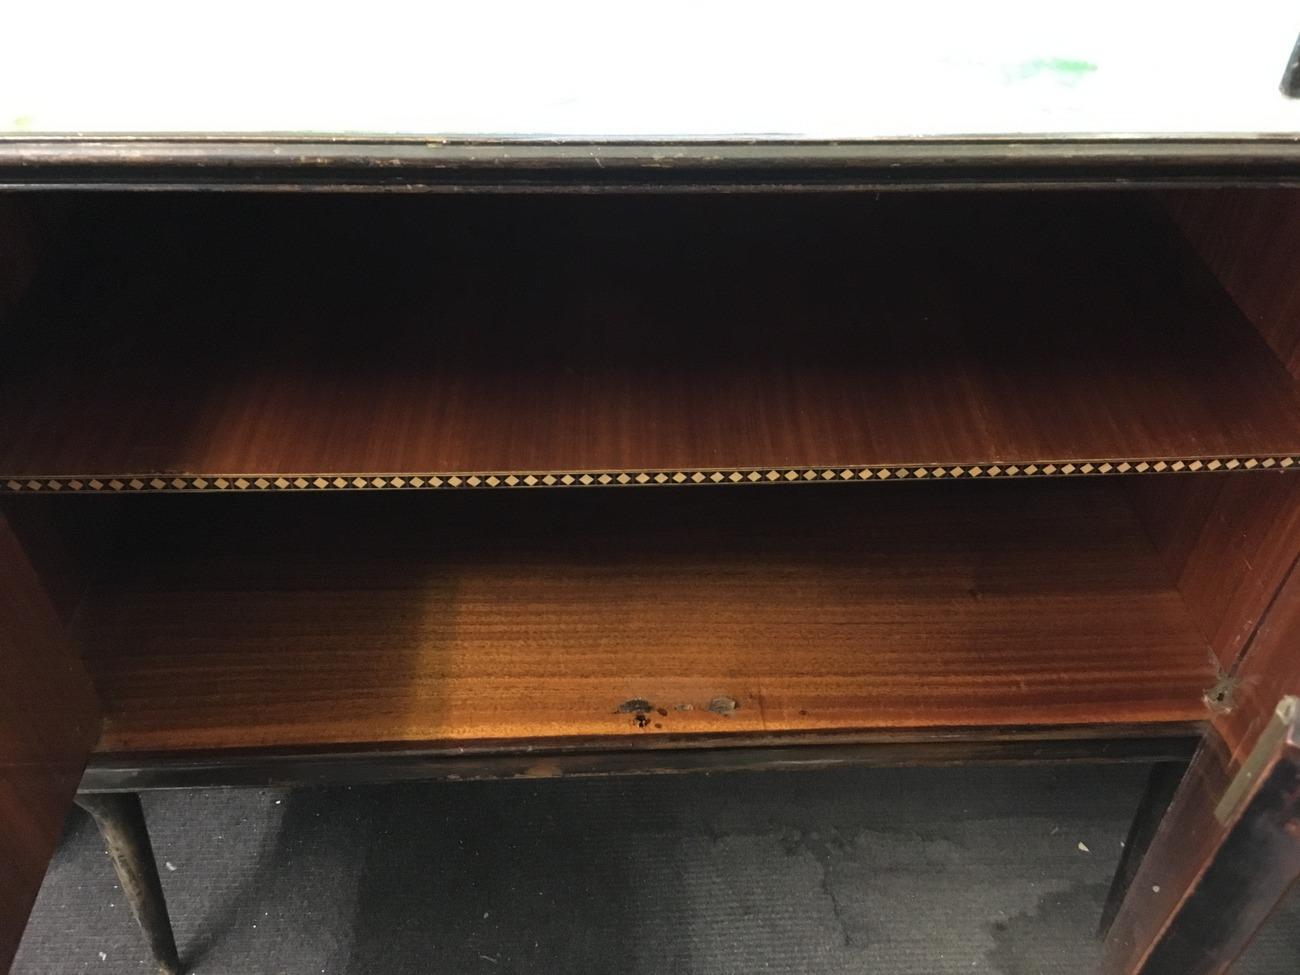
886 871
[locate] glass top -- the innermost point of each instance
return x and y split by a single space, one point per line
571 69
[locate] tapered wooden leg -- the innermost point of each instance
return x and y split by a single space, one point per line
1161 785
121 821
1222 858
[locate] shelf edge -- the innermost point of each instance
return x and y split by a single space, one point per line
155 482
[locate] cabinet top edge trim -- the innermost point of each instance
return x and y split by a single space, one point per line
268 161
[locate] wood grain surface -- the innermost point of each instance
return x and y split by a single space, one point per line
259 621
228 336
1268 670
1222 859
49 720
1230 542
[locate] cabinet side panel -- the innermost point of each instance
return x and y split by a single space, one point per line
1250 239
1229 542
1233 550
49 720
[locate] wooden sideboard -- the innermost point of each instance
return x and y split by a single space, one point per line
349 461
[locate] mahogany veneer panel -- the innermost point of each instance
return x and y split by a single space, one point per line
1229 542
49 720
220 337
480 617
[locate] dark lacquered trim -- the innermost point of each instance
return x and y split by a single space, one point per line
268 162
652 755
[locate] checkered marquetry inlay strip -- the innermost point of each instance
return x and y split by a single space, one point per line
780 475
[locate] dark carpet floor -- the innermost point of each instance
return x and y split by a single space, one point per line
990 870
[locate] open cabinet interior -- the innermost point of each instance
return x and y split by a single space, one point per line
513 472
314 341
472 617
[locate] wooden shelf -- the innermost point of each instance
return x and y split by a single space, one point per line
512 620
326 342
